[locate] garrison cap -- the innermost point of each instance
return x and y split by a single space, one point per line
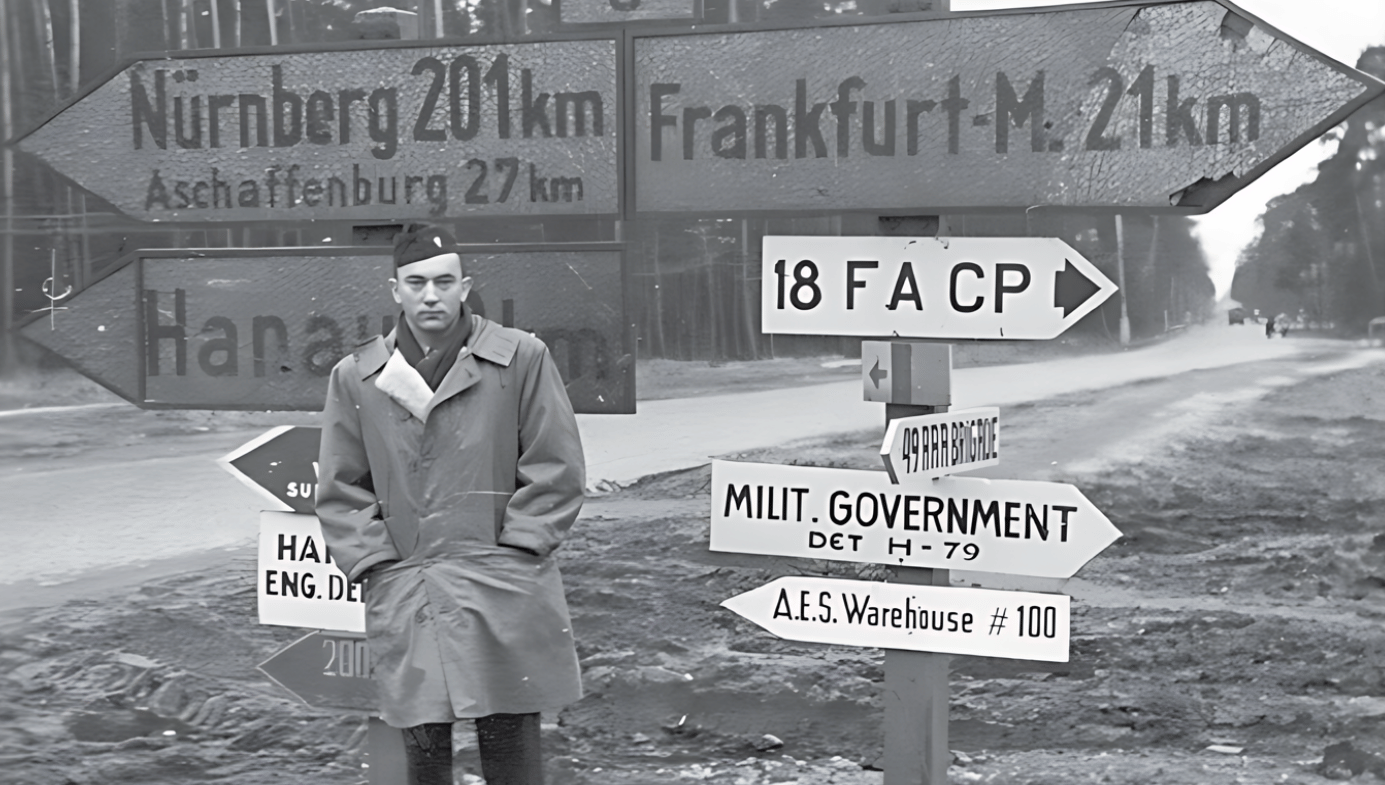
421 241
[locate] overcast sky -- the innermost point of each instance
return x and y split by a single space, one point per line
1340 28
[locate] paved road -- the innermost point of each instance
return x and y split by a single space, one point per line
146 508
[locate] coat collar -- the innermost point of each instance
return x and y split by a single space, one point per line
401 382
489 341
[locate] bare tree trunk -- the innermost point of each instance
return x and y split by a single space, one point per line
9 360
43 21
658 332
749 268
74 60
273 25
235 30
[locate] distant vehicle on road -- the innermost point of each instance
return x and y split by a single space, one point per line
1236 316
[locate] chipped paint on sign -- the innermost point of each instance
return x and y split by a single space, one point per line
1116 106
426 132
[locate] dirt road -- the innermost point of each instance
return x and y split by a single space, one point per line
1234 634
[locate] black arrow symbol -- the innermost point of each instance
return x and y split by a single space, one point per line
1071 288
876 374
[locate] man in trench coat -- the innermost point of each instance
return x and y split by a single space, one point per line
450 471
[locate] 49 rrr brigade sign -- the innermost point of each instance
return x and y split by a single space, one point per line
1119 105
417 131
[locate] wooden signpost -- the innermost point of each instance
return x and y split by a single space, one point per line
1019 527
915 516
979 622
329 670
280 465
356 132
944 288
260 329
934 445
1155 106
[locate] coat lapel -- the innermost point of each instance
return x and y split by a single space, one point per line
401 382
488 343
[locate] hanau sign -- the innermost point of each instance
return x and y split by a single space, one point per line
1117 105
924 287
261 328
384 132
979 622
936 445
280 465
297 583
1019 527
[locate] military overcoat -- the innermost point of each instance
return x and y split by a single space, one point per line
424 492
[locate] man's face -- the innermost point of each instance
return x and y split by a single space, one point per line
431 291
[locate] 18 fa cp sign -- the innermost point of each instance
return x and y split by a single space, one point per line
926 287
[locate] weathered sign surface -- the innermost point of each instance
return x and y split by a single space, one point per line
280 465
924 287
980 622
936 445
421 131
328 670
1129 105
608 11
1019 527
262 328
297 583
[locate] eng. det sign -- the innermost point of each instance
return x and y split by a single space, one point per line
297 582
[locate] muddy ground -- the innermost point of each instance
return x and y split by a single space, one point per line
1235 634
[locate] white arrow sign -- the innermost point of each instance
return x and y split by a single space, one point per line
935 445
980 622
926 287
1042 529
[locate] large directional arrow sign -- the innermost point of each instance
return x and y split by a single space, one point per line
936 445
1043 529
326 670
280 465
1121 104
924 287
411 130
262 328
980 622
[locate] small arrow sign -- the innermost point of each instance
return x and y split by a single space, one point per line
876 375
964 288
328 670
280 465
935 445
979 622
1018 527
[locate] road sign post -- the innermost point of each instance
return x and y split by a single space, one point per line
280 465
952 288
901 616
1155 106
260 329
413 129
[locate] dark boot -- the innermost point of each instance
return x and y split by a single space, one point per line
509 746
428 750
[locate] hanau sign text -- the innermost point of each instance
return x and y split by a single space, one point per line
262 328
436 132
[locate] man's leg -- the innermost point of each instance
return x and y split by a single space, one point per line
509 746
428 749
